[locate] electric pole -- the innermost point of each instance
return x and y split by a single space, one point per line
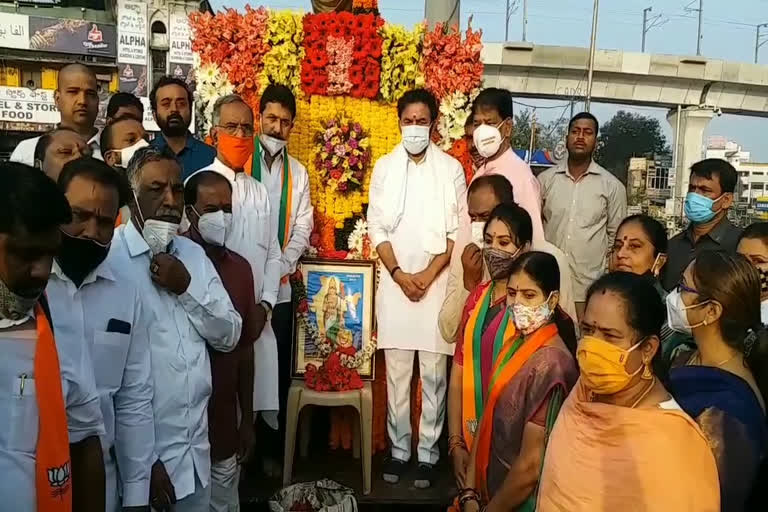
525 19
700 11
649 23
592 44
760 39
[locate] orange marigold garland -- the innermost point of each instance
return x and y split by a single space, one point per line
460 151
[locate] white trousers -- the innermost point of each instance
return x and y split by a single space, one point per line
225 479
198 501
433 369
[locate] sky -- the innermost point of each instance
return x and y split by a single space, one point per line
728 31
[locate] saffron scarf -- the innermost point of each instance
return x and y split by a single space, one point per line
53 481
473 394
514 353
286 195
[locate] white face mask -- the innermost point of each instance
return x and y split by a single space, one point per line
159 234
487 139
273 145
213 226
478 237
677 318
127 153
415 138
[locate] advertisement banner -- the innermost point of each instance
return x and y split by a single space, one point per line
180 40
132 47
81 37
22 105
14 31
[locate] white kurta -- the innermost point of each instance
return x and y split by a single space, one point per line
403 324
253 235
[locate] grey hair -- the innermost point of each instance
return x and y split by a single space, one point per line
141 158
226 100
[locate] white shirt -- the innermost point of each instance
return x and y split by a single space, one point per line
764 312
301 221
180 326
25 150
253 235
19 416
403 324
121 365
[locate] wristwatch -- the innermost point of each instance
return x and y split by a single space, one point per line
268 307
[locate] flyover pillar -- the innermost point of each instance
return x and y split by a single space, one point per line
447 11
688 143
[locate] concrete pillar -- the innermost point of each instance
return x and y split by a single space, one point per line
688 146
436 11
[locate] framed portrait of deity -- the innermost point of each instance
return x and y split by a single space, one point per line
334 317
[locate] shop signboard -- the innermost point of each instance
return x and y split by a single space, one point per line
81 37
23 105
132 47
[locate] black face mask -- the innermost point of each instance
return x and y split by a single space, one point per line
78 257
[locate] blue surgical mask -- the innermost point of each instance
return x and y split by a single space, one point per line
698 208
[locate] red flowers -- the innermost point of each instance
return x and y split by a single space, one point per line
332 375
449 64
328 68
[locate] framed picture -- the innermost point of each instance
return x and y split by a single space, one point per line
338 314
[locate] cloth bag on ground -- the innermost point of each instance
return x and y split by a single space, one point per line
320 496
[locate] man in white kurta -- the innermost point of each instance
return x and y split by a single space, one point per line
253 235
412 220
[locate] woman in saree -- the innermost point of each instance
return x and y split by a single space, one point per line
722 384
533 370
621 442
507 233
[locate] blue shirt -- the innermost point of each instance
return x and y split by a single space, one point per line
195 155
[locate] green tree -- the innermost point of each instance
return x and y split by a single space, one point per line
547 134
626 135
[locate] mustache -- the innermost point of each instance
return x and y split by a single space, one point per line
174 117
170 213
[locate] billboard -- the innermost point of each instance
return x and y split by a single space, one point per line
22 105
14 31
80 37
761 204
132 48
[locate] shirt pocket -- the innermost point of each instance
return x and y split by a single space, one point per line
591 210
24 417
110 352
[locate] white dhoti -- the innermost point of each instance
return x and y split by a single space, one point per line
225 479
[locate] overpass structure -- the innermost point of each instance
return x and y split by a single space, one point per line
694 89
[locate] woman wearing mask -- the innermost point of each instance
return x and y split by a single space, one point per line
754 246
621 442
723 383
533 371
507 233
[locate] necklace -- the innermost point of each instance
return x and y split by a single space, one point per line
696 360
645 393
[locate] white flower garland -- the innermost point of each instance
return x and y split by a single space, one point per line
212 84
454 111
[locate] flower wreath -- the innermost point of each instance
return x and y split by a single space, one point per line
299 291
342 154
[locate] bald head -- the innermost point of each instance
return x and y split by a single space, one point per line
77 99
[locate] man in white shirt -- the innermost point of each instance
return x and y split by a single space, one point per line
96 307
277 170
43 402
412 220
253 235
188 309
56 148
77 100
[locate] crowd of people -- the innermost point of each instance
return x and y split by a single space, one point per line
146 316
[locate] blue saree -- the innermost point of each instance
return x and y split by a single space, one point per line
729 413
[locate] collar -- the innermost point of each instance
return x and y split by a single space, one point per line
189 142
103 271
218 167
133 239
594 168
717 233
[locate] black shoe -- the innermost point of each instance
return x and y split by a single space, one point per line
393 470
425 475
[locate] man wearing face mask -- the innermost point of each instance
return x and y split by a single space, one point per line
50 455
56 148
483 195
253 235
583 206
208 196
77 101
189 311
172 103
98 311
119 142
412 221
287 184
710 196
753 244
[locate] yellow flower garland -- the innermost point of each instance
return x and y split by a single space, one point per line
400 56
282 64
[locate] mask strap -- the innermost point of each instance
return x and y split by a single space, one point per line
654 270
138 208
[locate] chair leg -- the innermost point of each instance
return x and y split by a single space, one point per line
366 430
356 433
305 431
293 409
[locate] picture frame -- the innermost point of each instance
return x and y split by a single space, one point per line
341 305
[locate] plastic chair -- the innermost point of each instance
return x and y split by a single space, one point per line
299 397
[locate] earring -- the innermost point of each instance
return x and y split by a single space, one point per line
647 375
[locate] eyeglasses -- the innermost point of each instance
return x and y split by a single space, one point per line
232 128
684 288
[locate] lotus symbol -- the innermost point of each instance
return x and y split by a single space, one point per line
59 479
